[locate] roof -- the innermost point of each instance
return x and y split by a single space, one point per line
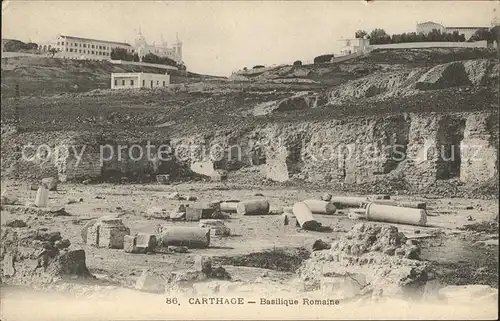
429 22
90 39
467 27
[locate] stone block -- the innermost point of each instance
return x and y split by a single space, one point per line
208 210
108 232
86 228
112 236
145 242
129 242
93 234
193 214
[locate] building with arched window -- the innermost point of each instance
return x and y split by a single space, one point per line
72 47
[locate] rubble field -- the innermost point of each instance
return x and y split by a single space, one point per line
260 254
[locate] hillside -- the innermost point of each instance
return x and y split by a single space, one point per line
332 74
41 76
440 95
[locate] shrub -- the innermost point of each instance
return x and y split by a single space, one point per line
297 63
258 67
323 59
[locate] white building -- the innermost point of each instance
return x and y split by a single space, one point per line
426 27
122 80
355 46
86 48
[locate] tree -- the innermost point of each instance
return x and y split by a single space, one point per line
31 46
495 33
53 51
323 59
297 63
378 36
118 54
482 34
258 67
360 34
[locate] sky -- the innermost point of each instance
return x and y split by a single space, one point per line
222 36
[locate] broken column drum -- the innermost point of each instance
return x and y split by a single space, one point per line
42 197
253 207
304 216
348 201
395 214
192 237
320 207
229 207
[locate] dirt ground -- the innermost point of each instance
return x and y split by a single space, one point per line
444 241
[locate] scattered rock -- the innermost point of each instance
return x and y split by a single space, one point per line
7 199
163 179
173 196
15 223
203 263
217 227
62 244
320 245
218 175
43 235
177 249
326 197
50 183
150 281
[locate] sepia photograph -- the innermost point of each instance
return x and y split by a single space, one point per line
249 160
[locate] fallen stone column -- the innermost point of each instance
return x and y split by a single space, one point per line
395 214
253 207
356 214
420 205
304 216
192 237
320 207
229 207
348 201
380 197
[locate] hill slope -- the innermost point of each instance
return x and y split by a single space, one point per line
41 76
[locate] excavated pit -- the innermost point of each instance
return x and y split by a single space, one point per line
278 259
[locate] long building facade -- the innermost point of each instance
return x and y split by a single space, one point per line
72 47
427 27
